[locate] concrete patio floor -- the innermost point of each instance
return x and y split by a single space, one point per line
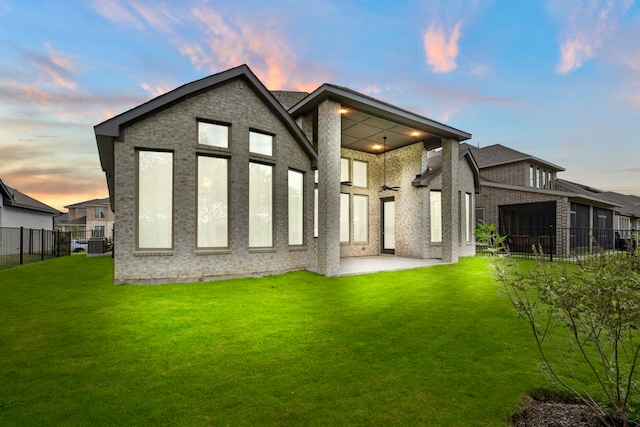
374 264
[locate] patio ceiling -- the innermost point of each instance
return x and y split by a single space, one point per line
366 121
365 132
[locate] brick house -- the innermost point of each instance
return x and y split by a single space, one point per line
223 178
91 218
523 196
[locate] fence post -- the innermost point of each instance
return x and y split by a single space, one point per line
42 244
552 239
21 244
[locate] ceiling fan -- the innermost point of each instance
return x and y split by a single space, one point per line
385 186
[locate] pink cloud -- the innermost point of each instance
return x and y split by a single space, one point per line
441 52
590 28
116 12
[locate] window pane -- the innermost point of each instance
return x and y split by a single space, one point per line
213 134
100 213
260 205
212 202
296 186
360 218
436 216
315 212
359 173
155 199
344 217
468 207
261 143
344 170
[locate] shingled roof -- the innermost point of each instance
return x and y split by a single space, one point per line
14 198
496 155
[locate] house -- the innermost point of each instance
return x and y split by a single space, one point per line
223 178
524 197
91 218
19 210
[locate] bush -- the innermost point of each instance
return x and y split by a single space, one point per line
592 312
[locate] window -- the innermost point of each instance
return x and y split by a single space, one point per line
81 210
435 208
215 135
155 199
359 173
360 218
296 208
98 231
260 205
344 170
532 179
315 212
100 213
344 217
261 143
468 215
213 206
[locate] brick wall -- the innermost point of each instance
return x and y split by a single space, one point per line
175 129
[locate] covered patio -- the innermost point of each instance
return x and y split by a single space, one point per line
374 264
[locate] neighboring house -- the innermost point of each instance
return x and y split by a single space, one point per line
19 210
522 194
223 178
92 218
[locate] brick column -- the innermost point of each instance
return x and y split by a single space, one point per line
450 208
329 127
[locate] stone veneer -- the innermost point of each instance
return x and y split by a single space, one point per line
175 129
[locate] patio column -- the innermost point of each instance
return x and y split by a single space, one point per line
329 128
450 206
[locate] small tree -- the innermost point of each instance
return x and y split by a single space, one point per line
591 311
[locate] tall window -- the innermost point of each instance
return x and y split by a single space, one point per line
216 135
296 208
532 179
261 143
360 218
344 170
260 205
468 216
100 213
344 217
213 207
435 208
155 200
359 173
315 212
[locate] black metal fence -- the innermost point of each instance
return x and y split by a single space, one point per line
563 243
26 245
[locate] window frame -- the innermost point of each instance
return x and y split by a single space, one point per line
301 231
215 123
253 131
272 206
228 205
433 224
356 183
138 245
365 221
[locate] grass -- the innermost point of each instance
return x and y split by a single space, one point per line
437 346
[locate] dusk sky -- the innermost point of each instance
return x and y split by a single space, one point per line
559 80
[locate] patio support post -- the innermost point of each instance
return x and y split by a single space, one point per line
450 205
329 128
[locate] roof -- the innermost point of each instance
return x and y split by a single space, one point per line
289 98
496 155
111 130
626 205
434 168
14 198
92 202
64 220
370 109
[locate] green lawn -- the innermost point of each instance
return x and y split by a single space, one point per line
431 346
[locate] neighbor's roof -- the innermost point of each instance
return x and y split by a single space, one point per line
496 155
14 198
92 202
113 129
626 204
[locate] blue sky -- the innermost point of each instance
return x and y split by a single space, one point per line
559 80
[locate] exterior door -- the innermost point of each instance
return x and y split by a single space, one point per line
388 229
